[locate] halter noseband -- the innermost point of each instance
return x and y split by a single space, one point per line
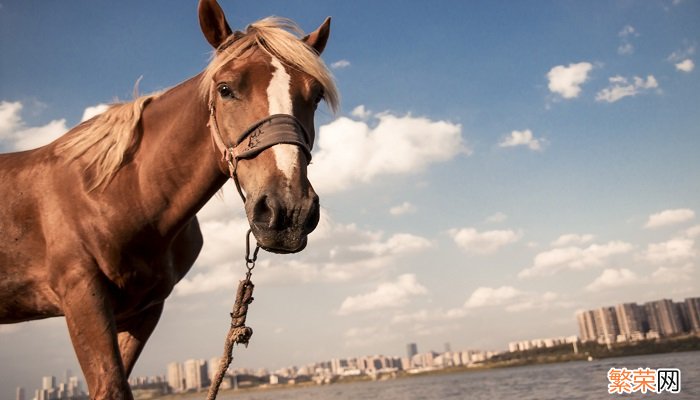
263 134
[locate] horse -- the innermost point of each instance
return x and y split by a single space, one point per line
100 225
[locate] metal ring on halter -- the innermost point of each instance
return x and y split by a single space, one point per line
250 262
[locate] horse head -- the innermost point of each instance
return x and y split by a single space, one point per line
263 86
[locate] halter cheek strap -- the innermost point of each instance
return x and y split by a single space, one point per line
263 134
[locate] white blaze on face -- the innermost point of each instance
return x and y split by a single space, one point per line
280 102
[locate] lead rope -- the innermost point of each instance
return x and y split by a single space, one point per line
238 332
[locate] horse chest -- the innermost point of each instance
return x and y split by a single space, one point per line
150 279
139 291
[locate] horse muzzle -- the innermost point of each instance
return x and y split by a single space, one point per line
282 226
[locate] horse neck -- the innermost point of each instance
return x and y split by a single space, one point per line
178 167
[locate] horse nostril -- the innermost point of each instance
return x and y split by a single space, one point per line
265 213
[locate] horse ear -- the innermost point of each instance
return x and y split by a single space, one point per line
318 38
213 22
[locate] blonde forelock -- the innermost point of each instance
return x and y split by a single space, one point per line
280 38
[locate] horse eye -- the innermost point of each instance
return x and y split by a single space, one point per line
319 97
225 91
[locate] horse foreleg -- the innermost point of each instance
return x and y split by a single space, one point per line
92 329
133 334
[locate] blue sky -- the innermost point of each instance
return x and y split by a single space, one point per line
511 163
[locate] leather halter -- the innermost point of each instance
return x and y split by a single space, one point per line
263 134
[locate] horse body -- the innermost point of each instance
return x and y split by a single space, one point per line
105 249
133 250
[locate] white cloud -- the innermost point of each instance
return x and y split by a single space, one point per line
620 87
386 295
682 54
424 315
399 243
31 138
534 301
669 217
351 152
552 261
504 297
94 111
486 296
340 64
403 208
567 80
522 138
216 278
361 112
693 231
686 65
488 242
572 239
626 47
672 251
682 59
627 31
613 278
10 119
512 299
15 135
673 274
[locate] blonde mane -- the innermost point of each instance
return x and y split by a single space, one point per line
106 139
281 38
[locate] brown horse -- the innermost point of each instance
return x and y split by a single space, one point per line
100 225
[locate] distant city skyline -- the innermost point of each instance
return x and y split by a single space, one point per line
624 322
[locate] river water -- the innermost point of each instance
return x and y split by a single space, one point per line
572 380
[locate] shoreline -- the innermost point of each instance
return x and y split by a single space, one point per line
560 354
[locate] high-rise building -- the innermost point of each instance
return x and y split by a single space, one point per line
663 317
20 394
48 382
607 327
586 326
683 316
74 386
195 374
631 319
411 350
693 309
176 377
41 394
67 375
